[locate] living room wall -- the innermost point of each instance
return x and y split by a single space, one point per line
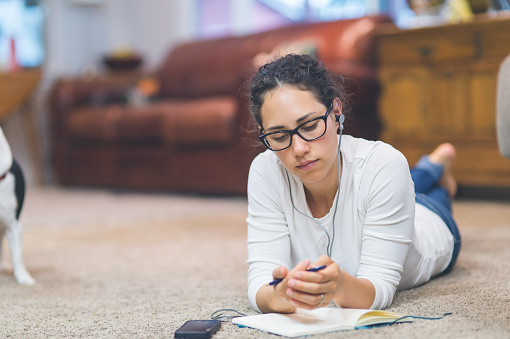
80 32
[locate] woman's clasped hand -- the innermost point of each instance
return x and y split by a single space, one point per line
307 289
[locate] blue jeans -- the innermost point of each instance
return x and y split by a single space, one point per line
433 196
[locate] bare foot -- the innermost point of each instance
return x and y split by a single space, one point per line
444 155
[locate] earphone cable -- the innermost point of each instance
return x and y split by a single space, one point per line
329 247
339 182
318 223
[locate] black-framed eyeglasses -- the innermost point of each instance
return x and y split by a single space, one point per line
308 131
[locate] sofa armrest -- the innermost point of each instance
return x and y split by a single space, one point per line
67 93
354 70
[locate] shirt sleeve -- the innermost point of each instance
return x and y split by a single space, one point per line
268 233
389 222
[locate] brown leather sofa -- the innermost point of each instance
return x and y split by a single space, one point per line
197 136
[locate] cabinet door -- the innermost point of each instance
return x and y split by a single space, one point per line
482 101
464 102
451 102
405 107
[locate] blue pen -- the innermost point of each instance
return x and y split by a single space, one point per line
313 269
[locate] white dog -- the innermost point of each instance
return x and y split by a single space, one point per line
12 192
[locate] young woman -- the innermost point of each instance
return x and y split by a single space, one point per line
319 199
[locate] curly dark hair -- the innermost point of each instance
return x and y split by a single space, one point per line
301 71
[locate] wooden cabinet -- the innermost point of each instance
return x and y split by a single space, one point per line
438 85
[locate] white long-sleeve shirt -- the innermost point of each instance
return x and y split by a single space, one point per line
381 234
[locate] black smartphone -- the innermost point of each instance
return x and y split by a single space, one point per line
198 329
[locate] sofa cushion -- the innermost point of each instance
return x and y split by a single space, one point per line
208 120
198 69
117 122
94 122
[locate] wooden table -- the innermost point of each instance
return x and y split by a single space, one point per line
15 89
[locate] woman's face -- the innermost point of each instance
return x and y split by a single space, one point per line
284 108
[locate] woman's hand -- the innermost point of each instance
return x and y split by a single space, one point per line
282 273
300 288
275 298
310 290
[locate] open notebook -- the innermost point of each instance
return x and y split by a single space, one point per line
303 322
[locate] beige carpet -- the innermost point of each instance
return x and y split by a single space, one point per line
134 265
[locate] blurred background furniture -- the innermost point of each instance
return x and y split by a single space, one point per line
197 136
503 108
16 90
441 86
